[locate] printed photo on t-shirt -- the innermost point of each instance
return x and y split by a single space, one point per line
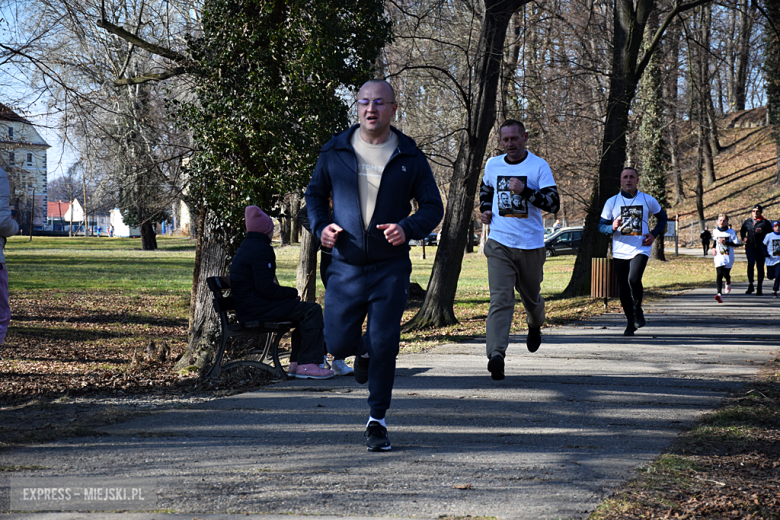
723 248
511 204
631 220
775 247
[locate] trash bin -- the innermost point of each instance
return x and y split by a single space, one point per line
603 279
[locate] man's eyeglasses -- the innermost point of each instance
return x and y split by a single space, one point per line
377 102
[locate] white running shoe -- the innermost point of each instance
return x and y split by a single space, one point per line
728 288
325 363
340 368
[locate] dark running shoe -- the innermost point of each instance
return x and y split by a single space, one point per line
376 437
533 339
496 367
749 289
639 317
361 369
630 329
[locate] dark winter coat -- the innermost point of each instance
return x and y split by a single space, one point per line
256 293
407 176
749 230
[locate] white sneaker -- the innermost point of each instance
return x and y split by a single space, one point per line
325 363
728 288
341 368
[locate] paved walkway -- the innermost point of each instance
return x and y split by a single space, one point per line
566 427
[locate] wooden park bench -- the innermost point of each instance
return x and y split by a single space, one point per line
265 358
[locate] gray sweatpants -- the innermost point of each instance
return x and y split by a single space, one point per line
510 269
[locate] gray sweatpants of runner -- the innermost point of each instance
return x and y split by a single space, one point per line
510 269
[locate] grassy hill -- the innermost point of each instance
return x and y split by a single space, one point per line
745 172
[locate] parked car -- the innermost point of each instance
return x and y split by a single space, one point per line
430 240
565 241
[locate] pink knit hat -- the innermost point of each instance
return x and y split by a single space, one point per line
258 221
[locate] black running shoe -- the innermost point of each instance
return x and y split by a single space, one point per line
533 339
361 369
376 437
496 367
639 317
749 289
630 329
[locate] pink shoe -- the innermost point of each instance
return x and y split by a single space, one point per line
292 369
718 298
312 371
728 288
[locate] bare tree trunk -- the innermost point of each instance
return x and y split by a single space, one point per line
627 39
483 238
306 273
511 57
672 96
747 10
295 233
284 229
731 62
211 259
148 236
699 180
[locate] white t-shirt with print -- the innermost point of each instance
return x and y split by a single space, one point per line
627 240
724 253
517 223
772 243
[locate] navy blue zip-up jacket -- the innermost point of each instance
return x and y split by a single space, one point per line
407 176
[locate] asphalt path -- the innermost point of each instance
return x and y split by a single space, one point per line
567 426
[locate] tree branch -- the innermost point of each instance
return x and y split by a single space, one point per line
678 8
177 71
138 42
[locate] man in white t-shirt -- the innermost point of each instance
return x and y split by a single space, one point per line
515 247
772 243
625 217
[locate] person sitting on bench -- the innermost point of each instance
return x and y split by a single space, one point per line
259 297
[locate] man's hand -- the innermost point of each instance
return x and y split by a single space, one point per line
516 185
616 223
393 233
486 217
330 234
649 239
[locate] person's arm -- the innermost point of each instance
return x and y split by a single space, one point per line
303 218
743 231
266 285
605 226
546 199
430 209
485 197
317 198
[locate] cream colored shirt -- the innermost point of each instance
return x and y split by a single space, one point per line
371 162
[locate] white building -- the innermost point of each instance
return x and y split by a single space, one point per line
120 228
23 157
